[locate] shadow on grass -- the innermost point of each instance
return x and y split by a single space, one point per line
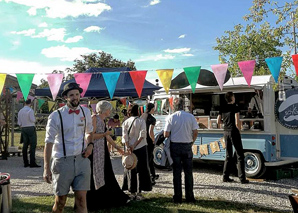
154 203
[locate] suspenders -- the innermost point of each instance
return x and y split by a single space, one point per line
62 131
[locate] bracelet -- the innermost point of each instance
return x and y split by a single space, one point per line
91 144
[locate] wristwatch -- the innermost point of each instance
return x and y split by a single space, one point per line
91 143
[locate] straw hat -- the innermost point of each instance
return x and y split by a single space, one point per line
129 161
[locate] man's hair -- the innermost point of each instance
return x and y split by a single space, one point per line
149 107
179 104
228 96
116 116
133 110
28 101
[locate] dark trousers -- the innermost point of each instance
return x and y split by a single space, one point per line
233 138
182 155
28 135
150 158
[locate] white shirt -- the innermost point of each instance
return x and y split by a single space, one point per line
137 131
258 103
73 126
181 125
26 117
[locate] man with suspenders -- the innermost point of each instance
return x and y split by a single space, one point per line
66 162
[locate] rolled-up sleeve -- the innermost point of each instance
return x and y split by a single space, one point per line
124 132
168 124
142 129
51 128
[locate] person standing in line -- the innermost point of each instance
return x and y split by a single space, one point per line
134 137
26 121
229 113
150 123
65 145
105 191
182 129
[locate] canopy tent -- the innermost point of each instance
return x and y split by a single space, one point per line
97 87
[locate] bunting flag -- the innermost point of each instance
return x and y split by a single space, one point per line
84 105
40 102
247 68
165 77
204 149
31 98
295 61
192 75
19 95
195 149
171 102
113 103
138 79
83 79
158 105
2 81
25 82
123 101
222 142
220 72
274 65
142 109
93 107
51 104
54 81
214 147
61 105
93 102
111 79
163 102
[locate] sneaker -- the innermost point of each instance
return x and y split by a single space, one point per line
229 180
139 197
244 181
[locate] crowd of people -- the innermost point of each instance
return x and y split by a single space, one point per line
78 148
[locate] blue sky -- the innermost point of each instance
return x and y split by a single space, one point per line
38 36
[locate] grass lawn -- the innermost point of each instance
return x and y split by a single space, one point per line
154 204
40 138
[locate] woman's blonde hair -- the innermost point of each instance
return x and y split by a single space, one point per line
103 106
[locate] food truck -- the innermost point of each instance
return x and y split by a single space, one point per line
268 140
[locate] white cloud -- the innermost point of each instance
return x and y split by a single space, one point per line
29 32
155 58
74 39
20 66
179 50
54 34
43 24
66 53
187 54
182 36
154 2
64 8
93 29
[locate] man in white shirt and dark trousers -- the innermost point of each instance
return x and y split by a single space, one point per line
26 121
65 146
182 127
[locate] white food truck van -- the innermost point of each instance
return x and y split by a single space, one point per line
268 140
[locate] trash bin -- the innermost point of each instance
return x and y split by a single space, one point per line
5 194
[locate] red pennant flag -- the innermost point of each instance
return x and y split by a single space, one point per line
123 101
138 79
171 102
61 105
83 79
142 110
295 61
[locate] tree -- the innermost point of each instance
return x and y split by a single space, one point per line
259 40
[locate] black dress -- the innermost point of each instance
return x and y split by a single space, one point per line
109 195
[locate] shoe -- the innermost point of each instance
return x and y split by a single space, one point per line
244 181
229 180
177 201
191 200
153 182
156 177
139 197
34 166
26 165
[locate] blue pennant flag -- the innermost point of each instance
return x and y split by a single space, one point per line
111 79
274 65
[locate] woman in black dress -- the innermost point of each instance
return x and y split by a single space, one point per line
105 191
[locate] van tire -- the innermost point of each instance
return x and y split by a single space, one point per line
254 165
157 153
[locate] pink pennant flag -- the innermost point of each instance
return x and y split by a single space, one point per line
83 79
247 68
84 105
220 71
30 97
61 105
93 107
19 95
55 81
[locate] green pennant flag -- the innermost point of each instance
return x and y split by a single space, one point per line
192 75
25 82
40 102
158 105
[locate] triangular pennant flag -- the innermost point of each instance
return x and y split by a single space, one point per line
55 81
123 101
142 109
295 61
165 77
51 105
171 102
214 147
93 107
84 105
25 82
274 65
192 75
2 81
163 102
144 106
220 72
138 79
111 79
113 104
83 79
40 102
158 105
61 105
247 68
31 98
19 95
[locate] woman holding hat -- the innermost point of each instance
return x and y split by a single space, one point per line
105 191
137 179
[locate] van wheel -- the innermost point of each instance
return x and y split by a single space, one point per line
157 154
254 165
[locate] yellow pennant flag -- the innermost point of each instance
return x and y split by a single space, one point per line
2 82
50 105
113 104
165 77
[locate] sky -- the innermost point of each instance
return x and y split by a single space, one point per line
39 36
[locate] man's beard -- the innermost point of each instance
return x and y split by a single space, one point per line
73 103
